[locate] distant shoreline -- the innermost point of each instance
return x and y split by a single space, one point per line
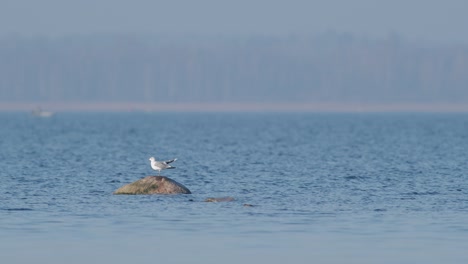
231 107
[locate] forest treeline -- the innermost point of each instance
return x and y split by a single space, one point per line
330 67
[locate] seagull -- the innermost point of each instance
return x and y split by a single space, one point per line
161 165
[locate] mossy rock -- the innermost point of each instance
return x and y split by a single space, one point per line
219 199
153 185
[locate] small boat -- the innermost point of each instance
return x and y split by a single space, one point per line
41 113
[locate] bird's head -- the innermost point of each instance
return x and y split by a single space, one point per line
151 159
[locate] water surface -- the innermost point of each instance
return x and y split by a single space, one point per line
326 188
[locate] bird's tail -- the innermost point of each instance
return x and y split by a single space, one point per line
171 167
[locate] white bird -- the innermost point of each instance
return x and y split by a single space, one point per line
161 165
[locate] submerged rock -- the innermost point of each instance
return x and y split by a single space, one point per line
220 199
153 185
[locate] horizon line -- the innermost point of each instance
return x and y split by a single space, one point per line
231 107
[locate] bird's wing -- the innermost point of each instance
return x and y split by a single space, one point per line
169 161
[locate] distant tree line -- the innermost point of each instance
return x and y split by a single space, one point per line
329 67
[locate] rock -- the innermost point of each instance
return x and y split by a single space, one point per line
153 185
219 199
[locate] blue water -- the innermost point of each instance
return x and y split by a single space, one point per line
326 188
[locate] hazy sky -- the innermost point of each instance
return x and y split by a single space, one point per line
435 20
